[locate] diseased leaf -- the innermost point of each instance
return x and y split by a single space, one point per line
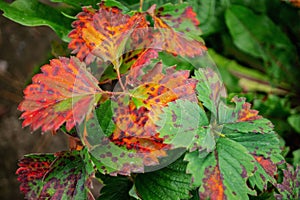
108 157
31 171
243 119
64 92
209 89
289 188
180 122
167 39
35 13
240 146
61 177
173 183
103 33
180 17
223 173
115 188
135 117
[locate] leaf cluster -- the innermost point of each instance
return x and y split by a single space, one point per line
146 107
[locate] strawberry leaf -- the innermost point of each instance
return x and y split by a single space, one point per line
115 187
173 183
108 157
209 89
59 177
223 173
169 40
240 146
64 92
289 188
102 33
31 171
179 123
180 17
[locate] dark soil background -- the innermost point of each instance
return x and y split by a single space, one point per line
22 51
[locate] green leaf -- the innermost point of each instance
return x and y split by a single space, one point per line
289 188
65 177
34 13
78 3
179 122
169 183
209 88
115 187
296 157
223 173
294 121
266 150
270 43
104 115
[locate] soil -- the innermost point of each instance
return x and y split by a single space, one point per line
22 51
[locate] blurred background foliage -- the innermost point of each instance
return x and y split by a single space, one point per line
254 43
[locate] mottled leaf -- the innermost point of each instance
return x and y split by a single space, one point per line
64 92
168 39
169 183
243 119
290 186
209 89
61 177
179 123
180 17
223 173
103 33
135 116
108 157
31 171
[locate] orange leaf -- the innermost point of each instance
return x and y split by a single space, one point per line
169 40
64 92
103 33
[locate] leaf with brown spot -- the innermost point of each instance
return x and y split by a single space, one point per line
168 39
242 118
223 173
289 188
31 171
135 116
63 93
59 176
103 33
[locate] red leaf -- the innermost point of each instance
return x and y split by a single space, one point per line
64 92
32 169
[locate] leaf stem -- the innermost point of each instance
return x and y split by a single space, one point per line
117 68
141 5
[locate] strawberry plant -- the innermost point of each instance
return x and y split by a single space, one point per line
146 109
